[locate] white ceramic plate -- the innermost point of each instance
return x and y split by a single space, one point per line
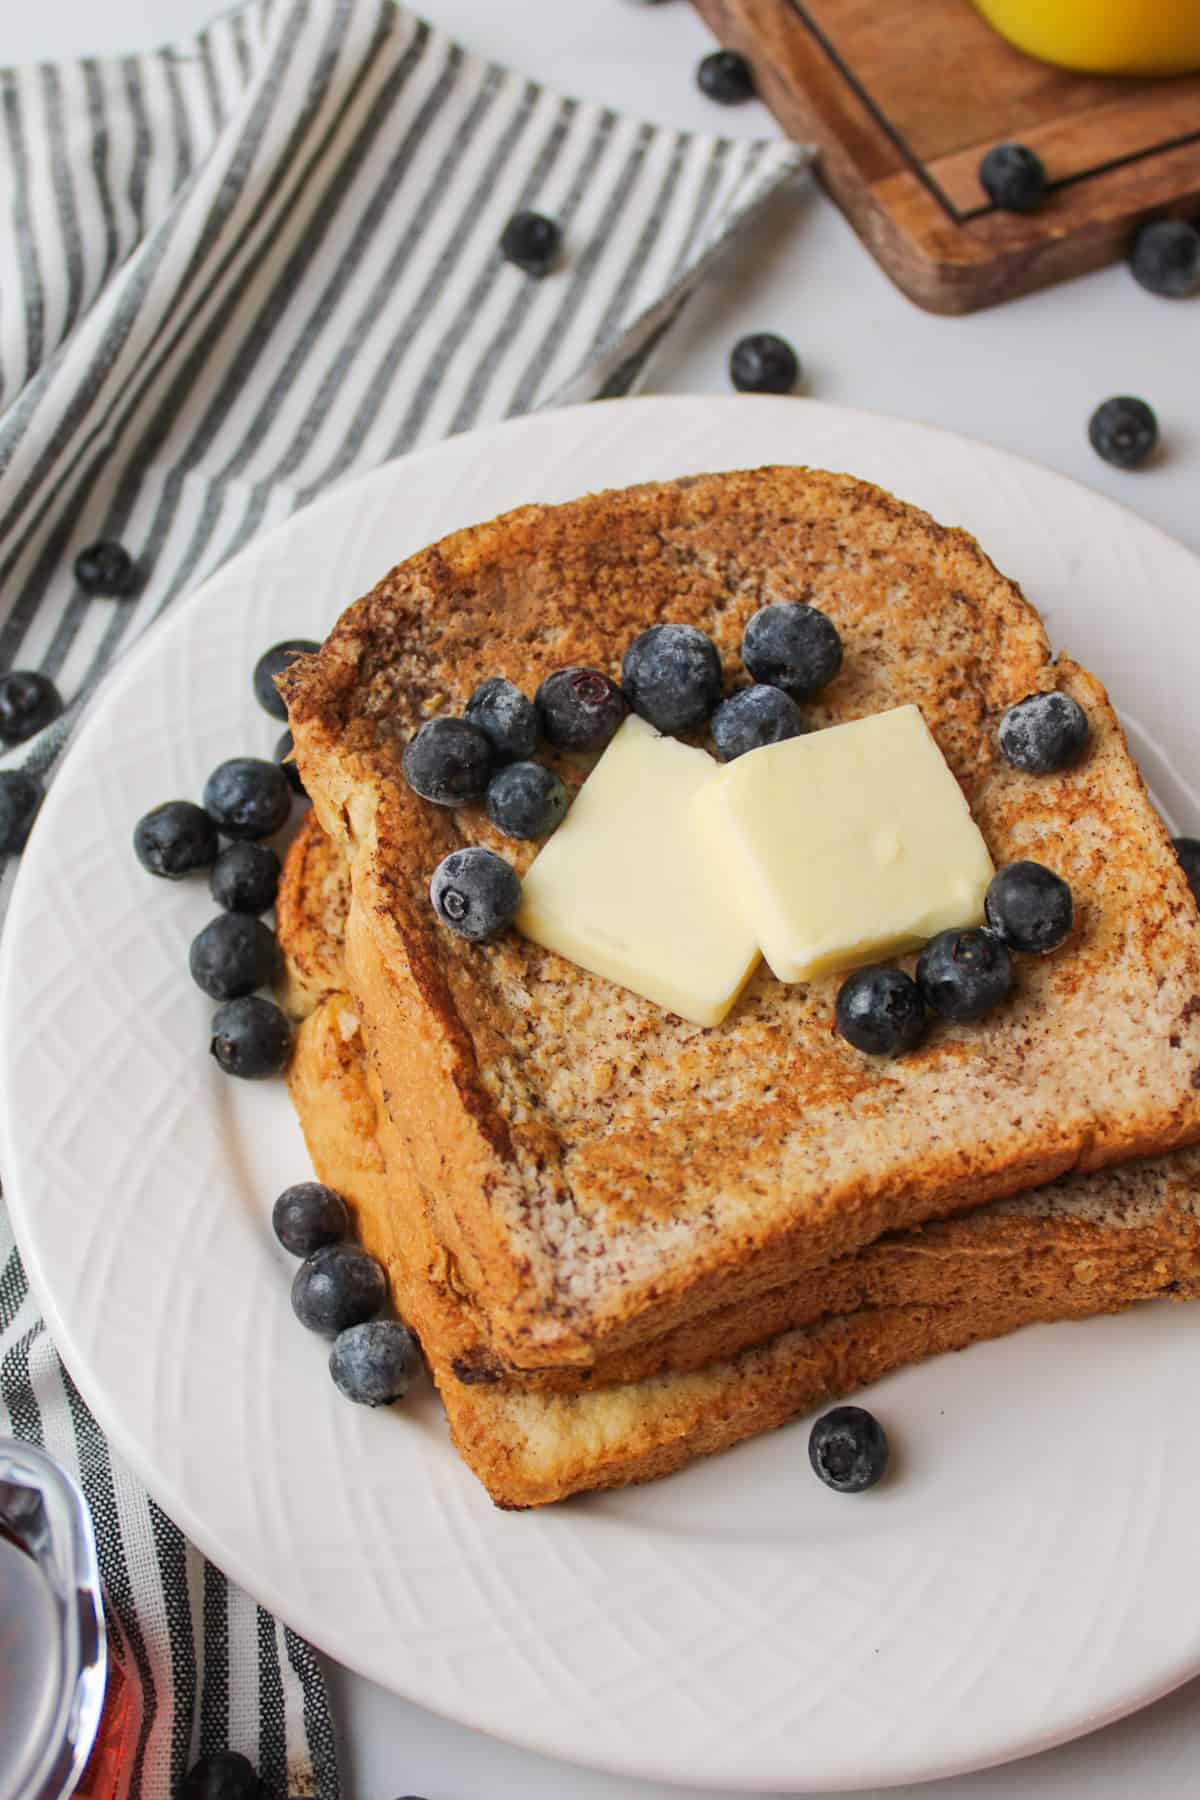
1034 1568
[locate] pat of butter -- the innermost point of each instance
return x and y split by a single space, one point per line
848 844
628 887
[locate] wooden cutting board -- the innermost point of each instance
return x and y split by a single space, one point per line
903 98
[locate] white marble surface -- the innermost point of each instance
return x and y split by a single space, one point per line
1025 375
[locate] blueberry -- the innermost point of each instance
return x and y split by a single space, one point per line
338 1285
274 662
964 972
880 1011
250 1037
756 716
375 1363
726 76
579 709
245 878
763 364
1030 907
1187 849
1013 177
175 838
248 798
224 1775
792 646
448 761
1166 257
1123 431
282 754
233 955
475 892
20 797
107 568
524 800
506 718
671 675
532 242
308 1216
28 701
1043 733
848 1449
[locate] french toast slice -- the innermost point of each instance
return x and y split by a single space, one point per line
602 1172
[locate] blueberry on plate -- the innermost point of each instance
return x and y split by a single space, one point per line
375 1363
176 838
763 364
880 1011
245 878
580 709
307 1216
475 892
671 675
20 797
1043 733
251 1038
234 954
1123 431
532 242
1030 907
1013 177
248 797
337 1286
107 569
506 718
283 754
848 1449
1166 257
448 761
726 76
223 1775
964 972
28 702
274 662
754 717
525 800
1187 849
792 646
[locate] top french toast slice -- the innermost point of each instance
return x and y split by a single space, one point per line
601 1170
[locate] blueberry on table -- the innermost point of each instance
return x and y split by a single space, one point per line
476 893
1043 733
337 1286
506 718
763 364
1187 849
1166 257
283 755
1030 907
248 797
1123 430
375 1363
671 675
106 569
448 761
273 662
1013 177
792 646
726 76
580 709
525 800
752 718
20 797
28 702
532 242
848 1449
964 972
234 954
251 1038
880 1011
176 838
307 1216
245 878
224 1775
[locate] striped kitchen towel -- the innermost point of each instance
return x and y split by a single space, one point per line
231 272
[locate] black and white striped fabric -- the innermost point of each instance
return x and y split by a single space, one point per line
231 272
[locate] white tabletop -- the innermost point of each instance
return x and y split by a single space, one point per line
1026 375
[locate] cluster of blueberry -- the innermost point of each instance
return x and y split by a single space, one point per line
671 676
247 800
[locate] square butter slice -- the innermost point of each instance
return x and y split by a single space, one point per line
629 888
849 844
